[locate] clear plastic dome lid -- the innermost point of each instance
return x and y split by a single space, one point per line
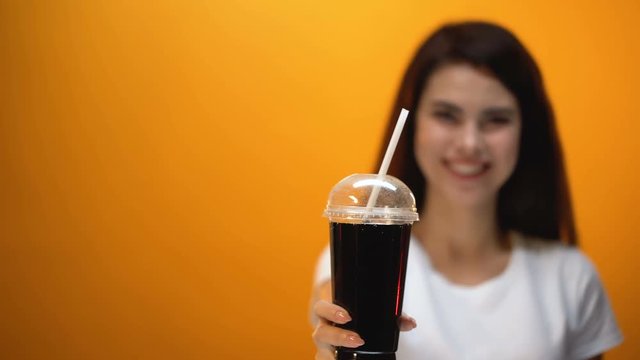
393 202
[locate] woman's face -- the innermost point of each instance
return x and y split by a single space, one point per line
467 135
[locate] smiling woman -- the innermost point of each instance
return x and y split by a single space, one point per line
151 152
493 271
467 134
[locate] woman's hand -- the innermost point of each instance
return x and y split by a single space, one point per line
327 337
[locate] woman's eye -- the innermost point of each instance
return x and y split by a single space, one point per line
445 116
497 121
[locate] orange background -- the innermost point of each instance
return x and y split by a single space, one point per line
164 164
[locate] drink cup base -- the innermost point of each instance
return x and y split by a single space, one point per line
354 355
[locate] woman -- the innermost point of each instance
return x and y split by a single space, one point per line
493 270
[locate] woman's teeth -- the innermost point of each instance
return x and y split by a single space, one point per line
467 169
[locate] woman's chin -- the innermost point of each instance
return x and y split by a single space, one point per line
472 197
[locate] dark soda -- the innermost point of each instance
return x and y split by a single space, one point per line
368 269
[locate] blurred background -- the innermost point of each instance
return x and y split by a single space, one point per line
164 164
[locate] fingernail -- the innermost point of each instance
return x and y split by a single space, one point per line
414 324
355 340
342 317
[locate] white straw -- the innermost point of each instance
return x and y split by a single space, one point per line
386 161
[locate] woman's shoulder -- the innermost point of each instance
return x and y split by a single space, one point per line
569 260
544 247
572 283
562 269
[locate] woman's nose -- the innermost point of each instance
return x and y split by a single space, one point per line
470 139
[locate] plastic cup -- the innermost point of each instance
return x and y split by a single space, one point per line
369 248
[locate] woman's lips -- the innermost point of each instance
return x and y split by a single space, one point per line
466 169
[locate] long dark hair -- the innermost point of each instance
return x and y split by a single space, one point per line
535 200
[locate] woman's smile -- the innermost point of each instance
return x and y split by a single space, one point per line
466 169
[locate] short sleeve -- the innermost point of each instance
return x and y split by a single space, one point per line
593 328
323 267
322 274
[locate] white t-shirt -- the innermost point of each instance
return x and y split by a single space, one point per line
548 304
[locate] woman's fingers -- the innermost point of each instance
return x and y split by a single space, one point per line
326 334
406 322
331 312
